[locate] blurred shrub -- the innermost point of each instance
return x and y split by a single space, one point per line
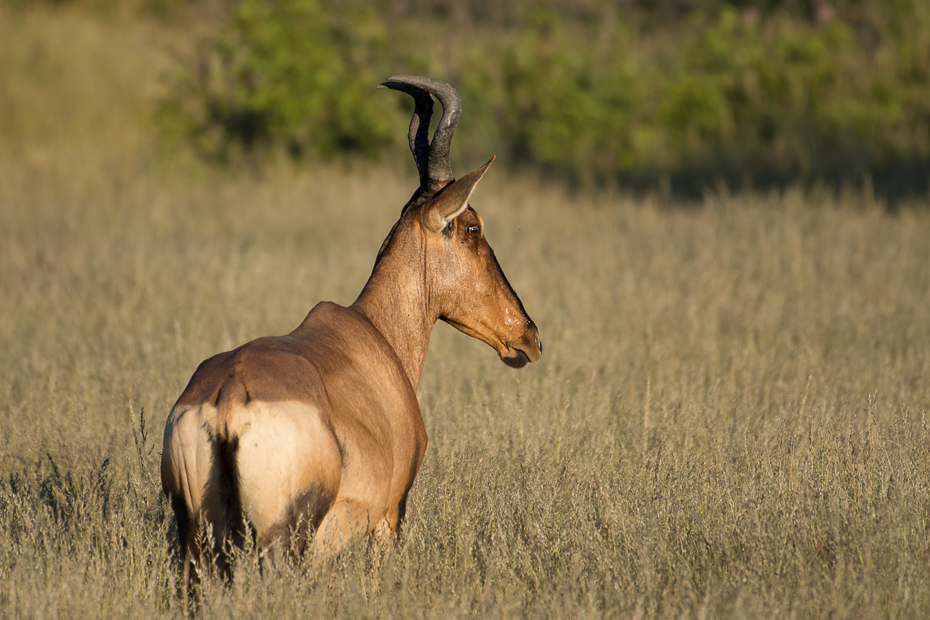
594 93
289 74
794 99
565 104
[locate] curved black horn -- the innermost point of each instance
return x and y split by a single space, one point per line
418 135
438 168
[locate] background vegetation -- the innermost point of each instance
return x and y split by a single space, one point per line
595 91
730 419
683 93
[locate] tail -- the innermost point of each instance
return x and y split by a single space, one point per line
223 491
200 474
207 530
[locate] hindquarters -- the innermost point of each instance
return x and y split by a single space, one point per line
272 473
290 470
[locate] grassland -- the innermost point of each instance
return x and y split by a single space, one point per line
730 418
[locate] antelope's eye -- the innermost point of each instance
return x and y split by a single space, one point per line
473 230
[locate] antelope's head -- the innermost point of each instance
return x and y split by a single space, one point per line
463 282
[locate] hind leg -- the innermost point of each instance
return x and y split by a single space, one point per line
289 473
204 553
343 525
202 556
190 558
381 542
292 535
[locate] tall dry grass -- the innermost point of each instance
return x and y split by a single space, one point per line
729 419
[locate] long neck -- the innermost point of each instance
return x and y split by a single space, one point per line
395 301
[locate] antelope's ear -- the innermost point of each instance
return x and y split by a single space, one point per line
453 199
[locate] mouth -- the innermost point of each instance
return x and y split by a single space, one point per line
517 360
518 356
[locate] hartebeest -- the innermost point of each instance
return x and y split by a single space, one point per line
319 432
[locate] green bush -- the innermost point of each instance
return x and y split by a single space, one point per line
593 95
287 74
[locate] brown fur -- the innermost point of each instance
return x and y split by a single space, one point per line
320 429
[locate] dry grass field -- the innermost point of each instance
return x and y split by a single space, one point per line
729 420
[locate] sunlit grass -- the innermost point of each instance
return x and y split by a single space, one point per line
729 418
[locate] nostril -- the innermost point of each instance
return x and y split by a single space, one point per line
539 344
